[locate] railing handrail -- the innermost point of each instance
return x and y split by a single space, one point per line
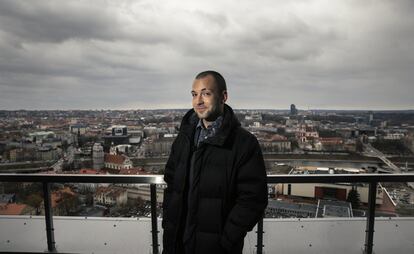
153 180
83 178
340 178
159 179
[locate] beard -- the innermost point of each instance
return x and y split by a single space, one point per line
210 114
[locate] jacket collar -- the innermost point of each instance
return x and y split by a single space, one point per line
229 123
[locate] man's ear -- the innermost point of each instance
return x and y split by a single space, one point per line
225 96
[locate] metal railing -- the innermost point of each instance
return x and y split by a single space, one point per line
153 180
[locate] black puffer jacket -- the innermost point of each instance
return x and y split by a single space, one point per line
232 191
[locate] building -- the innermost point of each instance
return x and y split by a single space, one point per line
370 117
350 145
333 191
310 132
7 198
39 153
293 110
158 147
111 195
409 140
98 156
47 153
394 136
332 143
143 192
306 133
291 123
22 154
78 129
282 209
39 136
254 117
136 135
121 149
52 142
117 161
116 135
275 143
323 209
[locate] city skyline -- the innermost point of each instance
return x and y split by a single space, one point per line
144 55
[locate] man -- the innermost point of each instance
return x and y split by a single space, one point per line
216 180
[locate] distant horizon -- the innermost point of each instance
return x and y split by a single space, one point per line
155 109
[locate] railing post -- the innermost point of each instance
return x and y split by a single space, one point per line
154 220
369 231
260 232
49 218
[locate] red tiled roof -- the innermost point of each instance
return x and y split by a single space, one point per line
278 137
132 171
12 209
88 171
114 158
271 138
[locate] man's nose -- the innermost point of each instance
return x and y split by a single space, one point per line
199 99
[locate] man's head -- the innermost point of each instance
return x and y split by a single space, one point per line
209 94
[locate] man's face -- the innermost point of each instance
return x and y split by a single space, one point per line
207 102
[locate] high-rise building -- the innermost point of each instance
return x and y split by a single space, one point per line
116 135
98 156
371 117
293 110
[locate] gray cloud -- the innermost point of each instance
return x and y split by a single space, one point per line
144 54
52 21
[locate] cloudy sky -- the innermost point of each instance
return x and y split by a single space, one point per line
317 54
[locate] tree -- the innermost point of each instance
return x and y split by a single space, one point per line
359 147
65 145
35 200
24 192
68 204
294 144
89 199
281 131
354 199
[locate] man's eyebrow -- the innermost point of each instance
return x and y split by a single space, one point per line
204 89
